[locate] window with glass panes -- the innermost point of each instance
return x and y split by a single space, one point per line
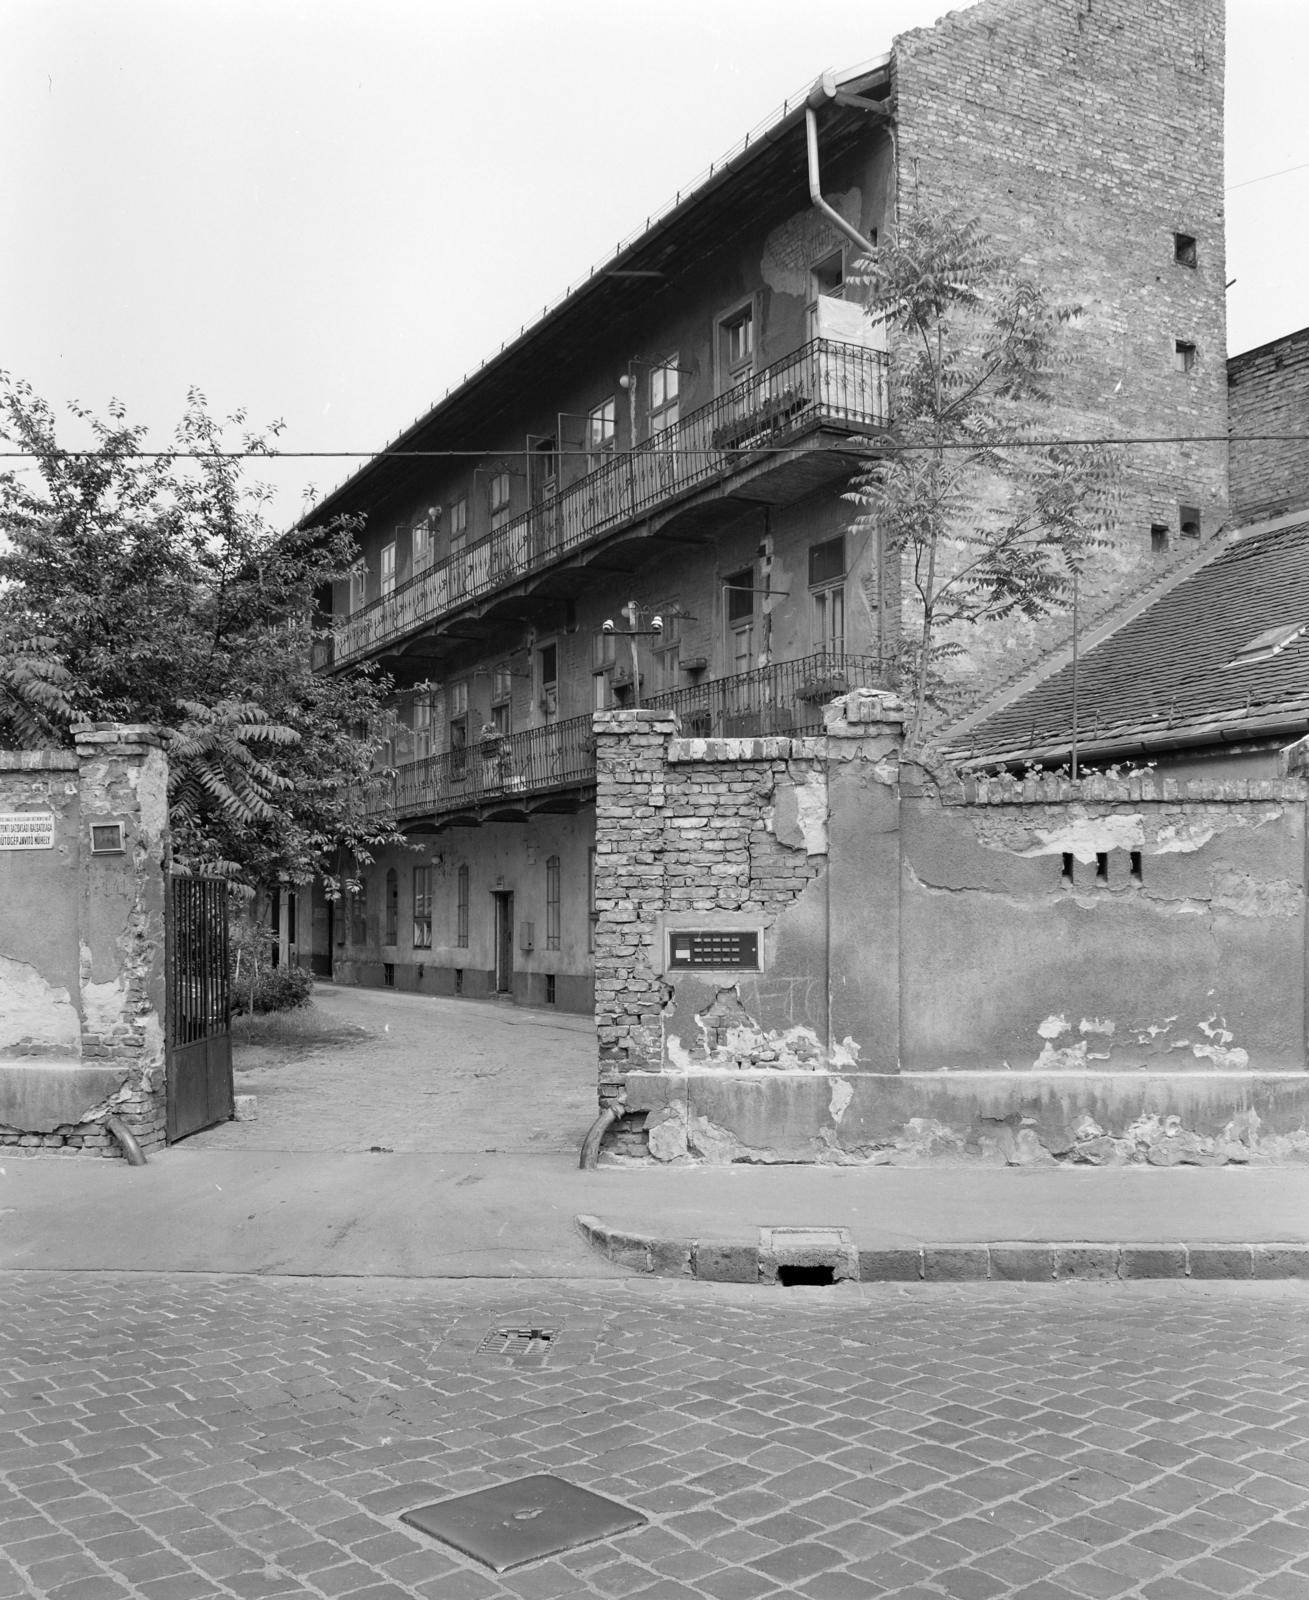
827 594
458 524
458 698
663 395
461 907
667 650
552 918
422 908
358 588
736 346
501 689
499 500
392 906
601 433
388 568
422 728
604 656
740 619
424 540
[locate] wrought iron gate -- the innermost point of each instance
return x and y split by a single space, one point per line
199 1012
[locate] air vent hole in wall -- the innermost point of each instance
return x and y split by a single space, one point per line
1067 879
1102 868
799 1277
1136 867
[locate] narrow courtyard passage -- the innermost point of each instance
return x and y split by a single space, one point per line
185 1437
413 1073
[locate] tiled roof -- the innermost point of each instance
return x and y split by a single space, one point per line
1165 676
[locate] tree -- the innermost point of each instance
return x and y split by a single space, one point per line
150 588
986 520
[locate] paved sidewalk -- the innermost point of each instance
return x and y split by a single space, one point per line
188 1438
514 1214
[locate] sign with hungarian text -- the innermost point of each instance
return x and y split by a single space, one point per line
27 830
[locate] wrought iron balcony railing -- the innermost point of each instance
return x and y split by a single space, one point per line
825 382
785 698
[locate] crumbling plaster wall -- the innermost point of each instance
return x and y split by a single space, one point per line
1193 963
82 946
933 987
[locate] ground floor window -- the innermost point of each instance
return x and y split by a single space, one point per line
422 908
359 913
392 906
461 908
552 903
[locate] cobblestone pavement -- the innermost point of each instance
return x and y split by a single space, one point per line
431 1075
187 1436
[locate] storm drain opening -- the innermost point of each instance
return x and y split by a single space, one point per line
514 1523
796 1277
525 1346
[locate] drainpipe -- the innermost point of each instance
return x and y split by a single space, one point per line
133 1151
590 1156
823 91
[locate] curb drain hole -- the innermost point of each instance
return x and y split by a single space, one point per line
798 1277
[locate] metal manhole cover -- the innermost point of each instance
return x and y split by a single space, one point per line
523 1521
527 1346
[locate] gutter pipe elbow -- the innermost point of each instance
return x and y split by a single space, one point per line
590 1156
133 1151
820 94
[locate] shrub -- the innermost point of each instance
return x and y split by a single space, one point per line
275 989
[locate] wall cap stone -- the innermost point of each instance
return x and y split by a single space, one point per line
1051 789
100 734
635 719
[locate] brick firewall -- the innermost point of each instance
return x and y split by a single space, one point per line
1268 393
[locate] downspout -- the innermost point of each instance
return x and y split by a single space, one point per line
590 1156
823 91
133 1151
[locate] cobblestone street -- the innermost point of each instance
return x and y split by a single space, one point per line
186 1436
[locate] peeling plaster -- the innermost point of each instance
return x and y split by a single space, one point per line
842 1095
792 247
36 1017
799 815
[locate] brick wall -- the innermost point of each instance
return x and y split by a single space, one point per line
1268 392
1085 135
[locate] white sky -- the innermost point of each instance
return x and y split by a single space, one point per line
328 210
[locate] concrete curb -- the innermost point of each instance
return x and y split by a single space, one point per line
722 1261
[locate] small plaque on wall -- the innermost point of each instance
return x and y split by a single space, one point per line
714 947
27 830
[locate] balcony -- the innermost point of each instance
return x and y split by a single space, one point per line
826 384
552 768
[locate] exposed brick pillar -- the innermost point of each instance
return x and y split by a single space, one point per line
631 753
123 779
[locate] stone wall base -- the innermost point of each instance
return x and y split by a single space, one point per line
960 1118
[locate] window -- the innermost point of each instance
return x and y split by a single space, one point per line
458 728
1188 521
359 913
545 468
422 908
827 594
603 658
827 277
388 568
358 588
552 903
740 619
422 728
461 908
1184 249
499 495
392 906
667 651
601 433
664 396
1158 538
547 658
424 539
1183 355
736 347
592 915
501 685
458 525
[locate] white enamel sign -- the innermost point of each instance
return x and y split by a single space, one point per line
27 830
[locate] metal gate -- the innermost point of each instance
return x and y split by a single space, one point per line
199 1013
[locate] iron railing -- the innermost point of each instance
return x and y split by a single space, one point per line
785 698
824 382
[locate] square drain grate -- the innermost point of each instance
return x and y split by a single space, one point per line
523 1521
527 1346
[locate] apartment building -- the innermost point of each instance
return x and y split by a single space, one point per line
640 499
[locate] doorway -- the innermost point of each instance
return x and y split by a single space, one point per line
504 941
